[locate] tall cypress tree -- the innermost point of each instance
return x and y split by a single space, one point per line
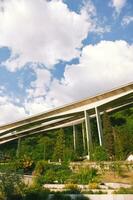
108 136
119 151
59 146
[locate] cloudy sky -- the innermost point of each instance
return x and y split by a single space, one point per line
53 52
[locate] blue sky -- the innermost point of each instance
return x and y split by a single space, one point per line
55 52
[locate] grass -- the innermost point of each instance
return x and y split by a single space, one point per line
110 176
124 191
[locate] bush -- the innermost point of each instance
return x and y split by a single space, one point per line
59 196
24 164
15 197
41 167
124 191
117 168
100 154
72 188
36 194
94 192
51 173
11 183
85 176
81 197
93 185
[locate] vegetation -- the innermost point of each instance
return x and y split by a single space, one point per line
124 191
58 145
108 136
85 176
48 157
10 183
100 154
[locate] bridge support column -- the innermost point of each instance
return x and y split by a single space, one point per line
99 126
88 134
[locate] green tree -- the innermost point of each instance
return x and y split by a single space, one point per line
59 147
119 153
108 136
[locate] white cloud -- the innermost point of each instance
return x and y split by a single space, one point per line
101 67
40 86
42 31
9 111
118 5
36 105
127 20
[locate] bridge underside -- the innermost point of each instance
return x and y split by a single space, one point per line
70 115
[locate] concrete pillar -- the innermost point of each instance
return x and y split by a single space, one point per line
88 134
18 148
74 137
83 134
99 126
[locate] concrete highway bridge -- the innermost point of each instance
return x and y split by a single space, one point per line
79 112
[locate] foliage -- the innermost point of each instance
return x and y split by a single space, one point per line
81 197
108 136
72 188
59 196
16 197
85 176
100 154
11 183
123 133
36 194
69 154
59 147
118 140
124 191
94 192
119 153
25 163
41 167
117 169
93 185
51 173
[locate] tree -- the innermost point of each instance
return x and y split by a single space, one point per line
119 153
108 136
59 147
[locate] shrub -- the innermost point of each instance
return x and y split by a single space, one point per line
72 188
85 176
100 154
94 192
81 197
50 176
24 164
11 183
124 190
51 173
117 169
59 196
16 197
36 194
41 167
93 185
